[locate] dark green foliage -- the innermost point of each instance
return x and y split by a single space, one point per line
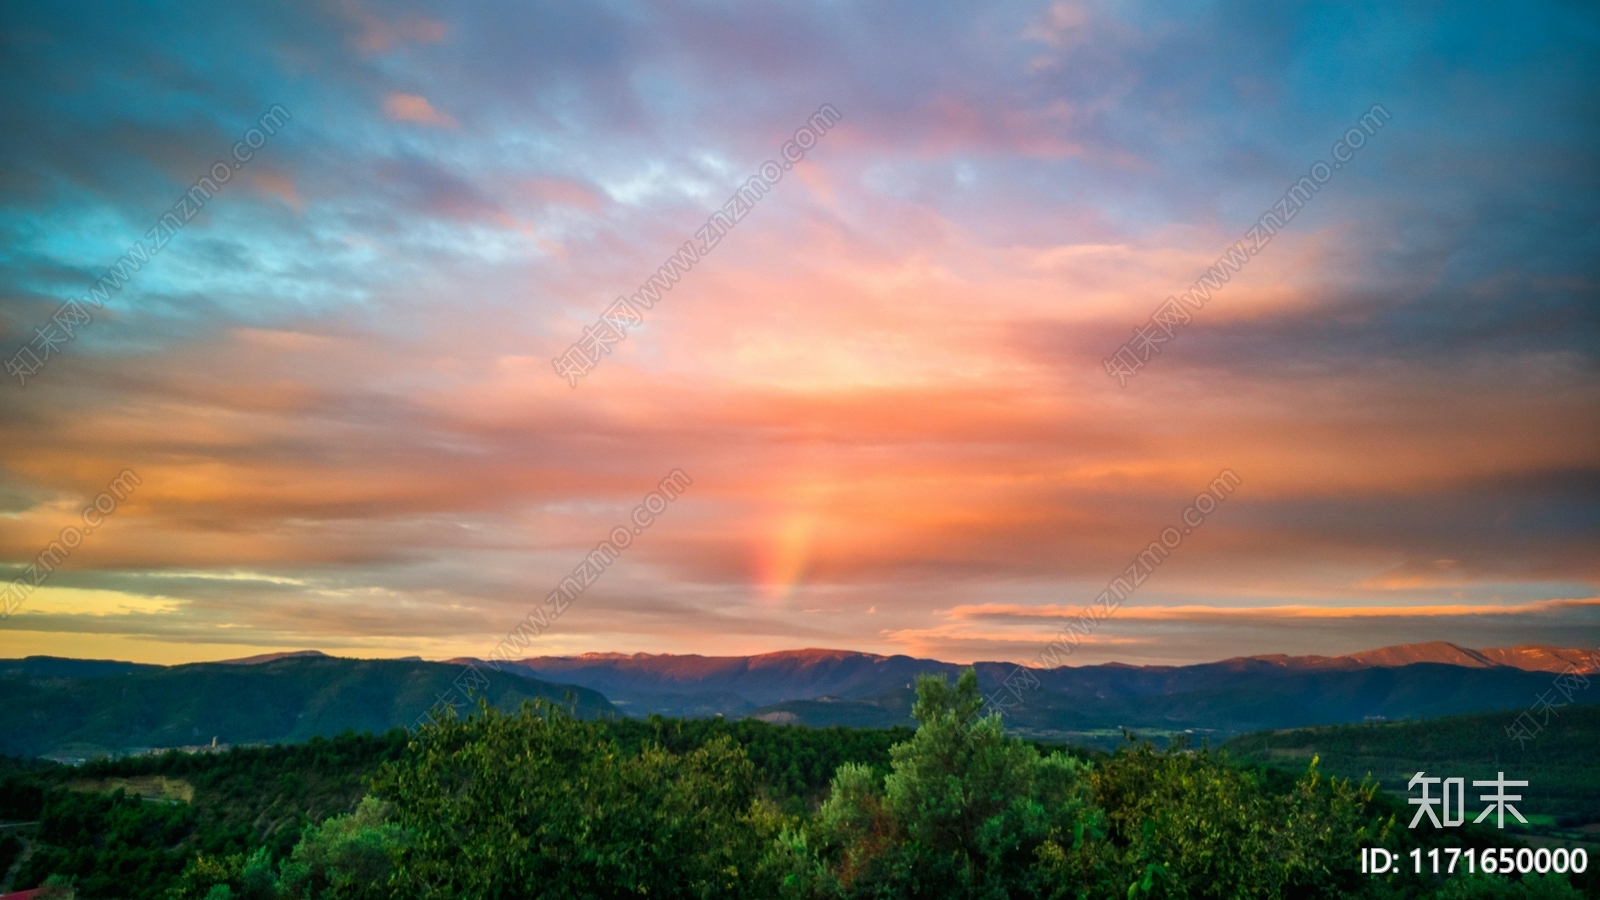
264 796
1198 827
795 764
964 812
349 857
112 845
538 803
890 710
21 799
10 849
247 798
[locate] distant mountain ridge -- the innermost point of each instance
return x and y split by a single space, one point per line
274 657
827 687
811 673
67 707
1527 657
761 679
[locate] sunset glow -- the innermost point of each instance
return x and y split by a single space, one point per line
888 380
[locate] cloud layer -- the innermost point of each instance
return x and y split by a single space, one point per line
335 380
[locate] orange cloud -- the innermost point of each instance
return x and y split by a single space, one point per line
377 35
279 185
1196 613
907 419
415 108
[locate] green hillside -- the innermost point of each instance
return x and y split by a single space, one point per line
1561 763
892 710
146 816
539 804
1093 705
286 700
141 819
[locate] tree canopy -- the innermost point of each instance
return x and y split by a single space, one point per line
540 804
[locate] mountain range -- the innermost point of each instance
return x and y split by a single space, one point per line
1082 703
80 708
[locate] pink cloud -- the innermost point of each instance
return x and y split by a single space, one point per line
377 35
1001 612
415 108
279 185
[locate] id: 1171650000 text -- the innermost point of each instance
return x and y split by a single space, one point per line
1450 860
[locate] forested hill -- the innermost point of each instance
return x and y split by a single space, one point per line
1557 760
540 805
49 712
99 826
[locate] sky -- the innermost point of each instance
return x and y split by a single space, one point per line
332 376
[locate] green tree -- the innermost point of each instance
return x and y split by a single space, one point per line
964 812
348 857
1188 824
540 804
